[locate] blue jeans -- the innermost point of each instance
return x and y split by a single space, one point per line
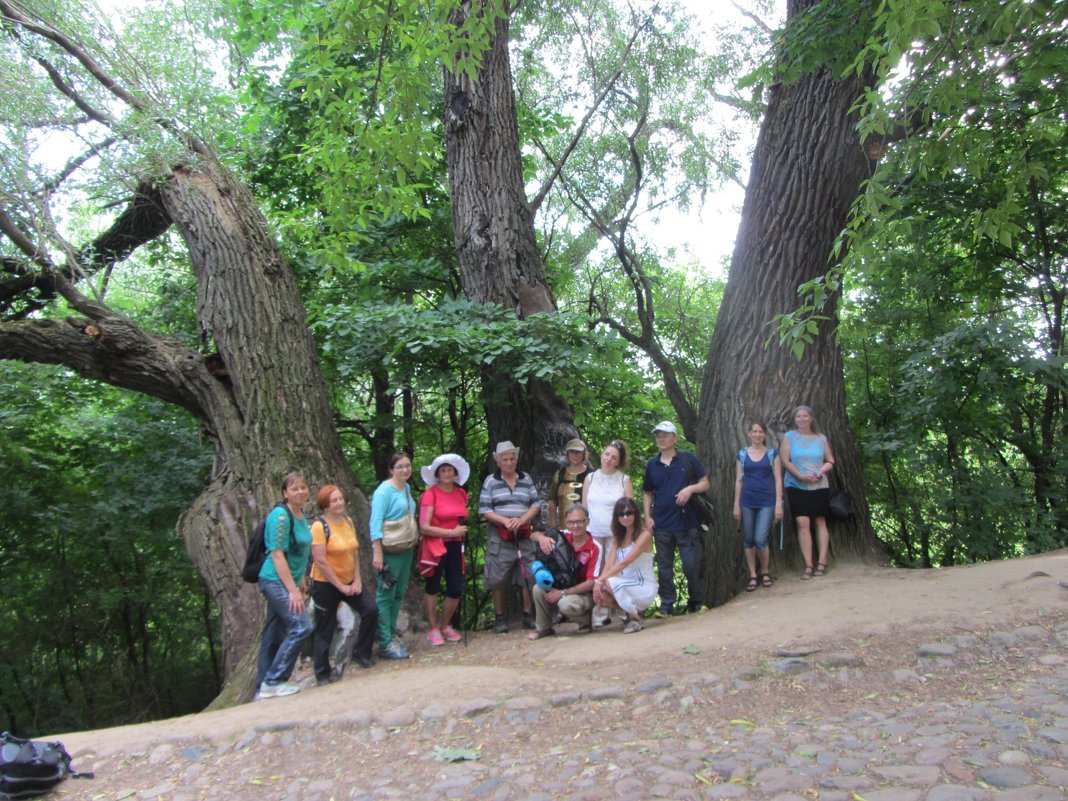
691 552
756 526
284 634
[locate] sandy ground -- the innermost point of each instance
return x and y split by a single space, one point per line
854 607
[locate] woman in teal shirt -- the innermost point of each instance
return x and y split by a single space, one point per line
288 541
391 501
806 456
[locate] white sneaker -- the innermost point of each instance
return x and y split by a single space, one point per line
276 690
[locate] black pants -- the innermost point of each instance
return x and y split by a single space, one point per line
691 552
327 597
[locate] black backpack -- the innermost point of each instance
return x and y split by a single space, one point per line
256 554
561 561
29 768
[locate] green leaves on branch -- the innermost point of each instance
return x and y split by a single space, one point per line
368 75
799 328
405 338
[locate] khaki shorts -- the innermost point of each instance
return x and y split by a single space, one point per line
503 567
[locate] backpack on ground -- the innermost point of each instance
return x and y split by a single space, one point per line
30 768
561 564
256 554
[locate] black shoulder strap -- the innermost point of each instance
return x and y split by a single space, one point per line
691 471
326 527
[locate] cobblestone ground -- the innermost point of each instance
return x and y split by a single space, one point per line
963 717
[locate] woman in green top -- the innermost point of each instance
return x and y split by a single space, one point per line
288 541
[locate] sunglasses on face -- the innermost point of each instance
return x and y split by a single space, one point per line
627 513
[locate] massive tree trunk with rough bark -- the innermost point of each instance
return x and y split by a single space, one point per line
261 398
263 403
494 229
808 169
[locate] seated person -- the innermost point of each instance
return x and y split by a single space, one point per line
574 603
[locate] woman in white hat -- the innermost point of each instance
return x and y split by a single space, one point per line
443 519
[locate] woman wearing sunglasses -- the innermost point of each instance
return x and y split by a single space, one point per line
627 580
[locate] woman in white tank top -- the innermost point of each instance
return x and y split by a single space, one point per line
600 491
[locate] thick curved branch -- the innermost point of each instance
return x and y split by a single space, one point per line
143 220
108 347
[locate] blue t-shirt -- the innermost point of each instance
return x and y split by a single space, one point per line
665 481
806 454
758 480
276 537
389 503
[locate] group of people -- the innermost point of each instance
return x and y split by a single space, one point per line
594 509
805 456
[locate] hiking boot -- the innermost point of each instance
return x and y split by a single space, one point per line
450 634
434 638
500 625
363 661
276 690
528 620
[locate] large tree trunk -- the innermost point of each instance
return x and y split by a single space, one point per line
263 403
494 229
267 415
808 169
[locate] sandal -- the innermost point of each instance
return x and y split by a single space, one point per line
632 626
821 569
537 635
807 573
754 582
766 580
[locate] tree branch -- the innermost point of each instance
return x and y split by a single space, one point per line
108 347
17 14
66 89
558 164
75 163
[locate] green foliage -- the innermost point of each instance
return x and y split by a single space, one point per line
367 78
106 622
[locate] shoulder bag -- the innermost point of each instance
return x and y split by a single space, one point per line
401 534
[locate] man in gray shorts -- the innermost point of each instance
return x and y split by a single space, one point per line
509 502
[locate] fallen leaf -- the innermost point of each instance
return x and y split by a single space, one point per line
455 754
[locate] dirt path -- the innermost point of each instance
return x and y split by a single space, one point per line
855 608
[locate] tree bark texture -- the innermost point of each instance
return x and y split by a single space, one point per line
495 241
808 169
267 414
